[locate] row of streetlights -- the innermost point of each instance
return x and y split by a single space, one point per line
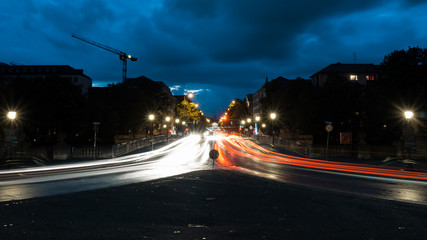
273 116
258 118
151 117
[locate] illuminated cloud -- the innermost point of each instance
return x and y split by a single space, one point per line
175 88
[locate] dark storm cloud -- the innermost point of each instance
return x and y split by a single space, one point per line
222 44
231 31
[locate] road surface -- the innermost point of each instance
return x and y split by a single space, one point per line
182 156
364 180
235 153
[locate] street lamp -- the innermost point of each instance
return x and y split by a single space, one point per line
151 118
249 127
273 117
168 119
243 125
257 118
409 115
12 137
409 142
11 115
190 95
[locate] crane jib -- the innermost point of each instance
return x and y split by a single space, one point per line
122 55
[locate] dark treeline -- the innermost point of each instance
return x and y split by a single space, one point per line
372 112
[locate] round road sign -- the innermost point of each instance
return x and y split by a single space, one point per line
329 128
213 154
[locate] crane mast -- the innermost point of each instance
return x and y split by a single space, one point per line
122 55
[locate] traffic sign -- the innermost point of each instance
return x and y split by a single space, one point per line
213 154
329 128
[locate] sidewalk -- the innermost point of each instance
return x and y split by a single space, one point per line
215 204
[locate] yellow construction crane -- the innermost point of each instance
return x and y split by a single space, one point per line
122 55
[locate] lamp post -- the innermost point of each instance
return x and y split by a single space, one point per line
176 125
151 118
409 143
243 125
273 117
95 133
257 118
168 119
10 134
248 120
183 127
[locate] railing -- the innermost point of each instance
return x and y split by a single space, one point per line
116 150
336 152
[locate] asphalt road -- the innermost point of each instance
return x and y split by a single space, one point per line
181 156
216 204
352 178
252 194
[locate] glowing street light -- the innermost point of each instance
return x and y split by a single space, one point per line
409 115
177 120
11 115
257 118
273 116
190 95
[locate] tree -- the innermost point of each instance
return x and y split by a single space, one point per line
403 86
405 77
187 111
123 109
237 111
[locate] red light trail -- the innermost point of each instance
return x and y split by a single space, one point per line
229 147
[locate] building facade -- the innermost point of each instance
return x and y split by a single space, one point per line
11 73
361 73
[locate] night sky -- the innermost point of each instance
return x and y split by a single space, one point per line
219 49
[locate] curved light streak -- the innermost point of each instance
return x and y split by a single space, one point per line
183 155
234 146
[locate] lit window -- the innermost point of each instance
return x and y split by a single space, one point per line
370 77
353 77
